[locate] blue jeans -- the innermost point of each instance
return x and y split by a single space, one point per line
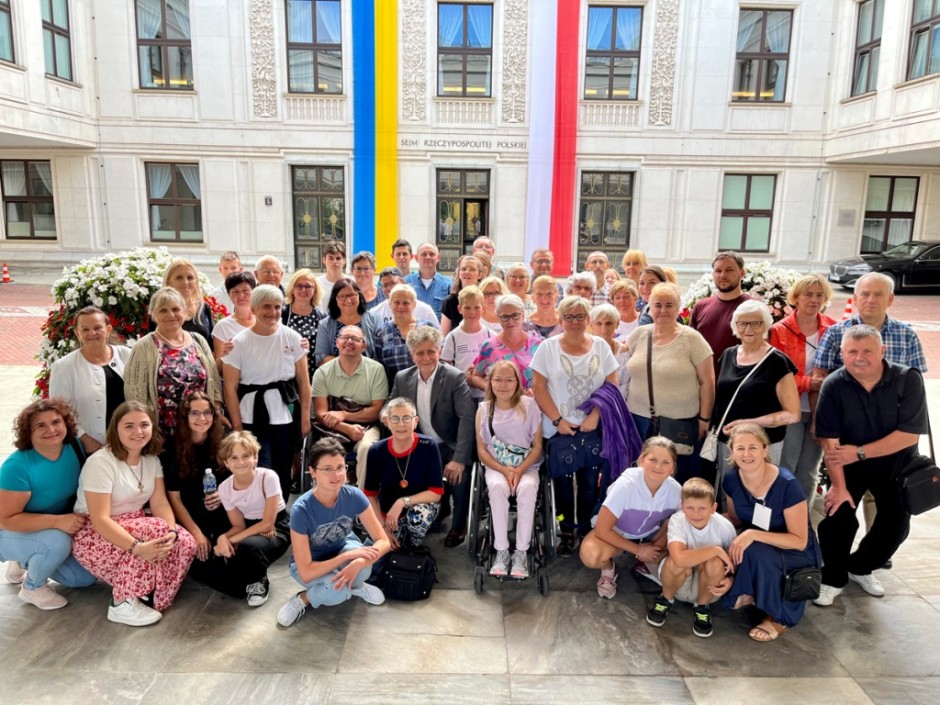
321 592
45 554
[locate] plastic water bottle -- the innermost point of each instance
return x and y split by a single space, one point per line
209 484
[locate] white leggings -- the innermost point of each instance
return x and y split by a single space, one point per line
526 493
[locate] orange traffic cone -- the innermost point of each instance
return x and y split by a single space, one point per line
6 275
847 313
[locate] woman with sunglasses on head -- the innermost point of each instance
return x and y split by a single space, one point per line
512 343
347 307
566 371
301 314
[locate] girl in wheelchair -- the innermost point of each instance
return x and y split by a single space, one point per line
509 443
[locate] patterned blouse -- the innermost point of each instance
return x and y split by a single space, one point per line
307 327
180 372
494 350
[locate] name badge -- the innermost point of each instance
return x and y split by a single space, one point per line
761 517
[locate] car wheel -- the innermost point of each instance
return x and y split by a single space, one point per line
896 281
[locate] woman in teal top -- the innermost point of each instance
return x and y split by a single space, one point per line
37 491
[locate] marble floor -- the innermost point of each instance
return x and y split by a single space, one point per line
507 645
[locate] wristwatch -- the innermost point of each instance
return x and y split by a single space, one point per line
860 452
557 421
407 502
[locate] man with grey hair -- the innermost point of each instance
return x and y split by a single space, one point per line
268 270
597 263
869 419
446 413
485 244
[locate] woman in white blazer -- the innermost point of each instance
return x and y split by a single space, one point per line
92 377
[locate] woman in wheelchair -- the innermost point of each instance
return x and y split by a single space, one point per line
509 443
404 478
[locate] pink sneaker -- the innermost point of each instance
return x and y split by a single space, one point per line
607 583
45 598
16 573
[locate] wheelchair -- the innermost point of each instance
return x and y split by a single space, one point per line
480 530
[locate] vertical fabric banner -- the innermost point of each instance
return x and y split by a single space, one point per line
538 216
364 124
385 221
566 134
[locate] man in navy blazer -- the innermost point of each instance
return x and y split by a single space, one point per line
446 413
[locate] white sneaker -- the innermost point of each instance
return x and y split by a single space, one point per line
869 583
520 565
133 613
500 567
257 593
45 598
369 593
607 583
827 594
16 573
292 611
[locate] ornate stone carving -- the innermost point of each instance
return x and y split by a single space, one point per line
663 74
414 82
515 40
263 74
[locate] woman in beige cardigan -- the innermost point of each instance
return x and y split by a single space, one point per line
170 362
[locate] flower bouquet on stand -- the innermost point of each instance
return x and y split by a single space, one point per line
120 284
762 280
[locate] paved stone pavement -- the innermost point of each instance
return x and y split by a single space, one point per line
506 645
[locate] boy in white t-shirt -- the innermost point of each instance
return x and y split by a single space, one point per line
698 568
462 344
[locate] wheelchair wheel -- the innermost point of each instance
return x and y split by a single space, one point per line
547 515
542 577
479 575
475 515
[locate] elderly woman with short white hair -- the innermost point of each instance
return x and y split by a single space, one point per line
267 388
582 284
755 384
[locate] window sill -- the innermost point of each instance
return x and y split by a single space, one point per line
301 94
861 97
759 104
12 65
464 99
164 91
929 78
63 81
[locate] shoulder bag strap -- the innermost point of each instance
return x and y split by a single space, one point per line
649 371
721 424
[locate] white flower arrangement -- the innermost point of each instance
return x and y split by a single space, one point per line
762 280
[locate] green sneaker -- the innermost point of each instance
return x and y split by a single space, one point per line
657 614
702 625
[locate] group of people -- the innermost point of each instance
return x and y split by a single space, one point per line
179 455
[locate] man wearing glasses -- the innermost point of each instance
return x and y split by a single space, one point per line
542 264
268 270
356 381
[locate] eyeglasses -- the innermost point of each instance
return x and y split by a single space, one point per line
579 317
401 419
349 339
270 271
334 470
753 325
541 261
303 286
348 297
504 317
362 270
194 414
491 294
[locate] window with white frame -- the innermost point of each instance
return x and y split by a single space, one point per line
612 60
174 202
164 44
763 55
29 212
57 38
314 46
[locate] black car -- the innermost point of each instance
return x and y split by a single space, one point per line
912 264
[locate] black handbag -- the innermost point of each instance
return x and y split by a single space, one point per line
801 584
409 575
568 454
682 432
919 479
